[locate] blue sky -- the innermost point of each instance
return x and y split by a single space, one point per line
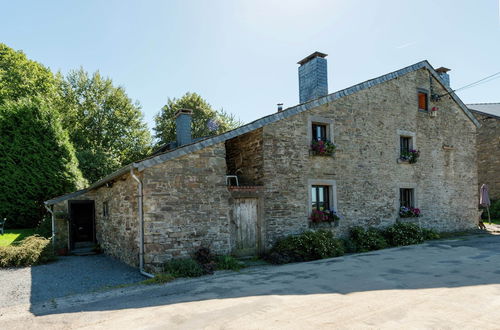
241 55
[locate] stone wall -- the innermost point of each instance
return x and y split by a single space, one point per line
117 234
186 205
61 227
365 168
244 157
488 147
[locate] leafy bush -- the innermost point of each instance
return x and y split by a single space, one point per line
159 279
429 234
185 267
404 234
33 250
367 240
44 227
228 263
494 211
349 245
307 246
206 259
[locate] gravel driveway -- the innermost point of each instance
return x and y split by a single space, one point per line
66 276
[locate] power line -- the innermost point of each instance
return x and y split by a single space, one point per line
476 83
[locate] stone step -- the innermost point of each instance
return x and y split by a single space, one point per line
86 251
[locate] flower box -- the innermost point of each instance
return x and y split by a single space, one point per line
410 156
409 212
318 216
322 148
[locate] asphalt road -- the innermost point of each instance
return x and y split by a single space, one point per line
443 284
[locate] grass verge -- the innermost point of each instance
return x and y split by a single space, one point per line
11 236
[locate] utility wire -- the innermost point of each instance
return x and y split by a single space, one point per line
476 83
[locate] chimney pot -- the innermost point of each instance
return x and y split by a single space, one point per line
313 80
280 107
183 126
443 73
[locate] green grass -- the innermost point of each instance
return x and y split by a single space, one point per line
495 221
15 235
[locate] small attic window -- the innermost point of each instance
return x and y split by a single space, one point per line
423 98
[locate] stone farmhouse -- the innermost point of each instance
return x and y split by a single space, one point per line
488 146
240 191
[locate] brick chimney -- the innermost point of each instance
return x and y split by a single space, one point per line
313 80
183 126
443 73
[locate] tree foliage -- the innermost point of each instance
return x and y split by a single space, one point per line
21 77
205 122
105 126
37 160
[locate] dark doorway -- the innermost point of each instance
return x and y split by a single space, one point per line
81 217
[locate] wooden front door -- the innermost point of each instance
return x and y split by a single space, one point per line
245 218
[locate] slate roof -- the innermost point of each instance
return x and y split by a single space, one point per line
486 108
195 146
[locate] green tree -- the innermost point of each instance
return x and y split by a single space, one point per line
37 163
21 77
205 122
105 126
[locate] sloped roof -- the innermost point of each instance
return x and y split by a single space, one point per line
486 108
195 146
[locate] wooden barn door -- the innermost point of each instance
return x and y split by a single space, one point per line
245 218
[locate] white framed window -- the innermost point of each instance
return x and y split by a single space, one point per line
322 195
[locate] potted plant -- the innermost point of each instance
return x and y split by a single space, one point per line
323 147
409 212
411 156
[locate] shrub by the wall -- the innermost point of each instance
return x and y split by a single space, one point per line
429 234
44 227
308 246
402 233
494 211
185 267
33 250
367 240
228 263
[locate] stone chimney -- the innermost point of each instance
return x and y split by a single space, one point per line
313 80
445 77
183 126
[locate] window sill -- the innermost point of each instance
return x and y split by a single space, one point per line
315 154
403 161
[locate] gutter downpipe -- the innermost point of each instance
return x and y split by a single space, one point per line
140 216
53 226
